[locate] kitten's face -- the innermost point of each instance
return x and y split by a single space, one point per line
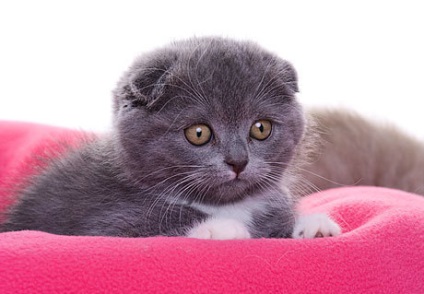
208 120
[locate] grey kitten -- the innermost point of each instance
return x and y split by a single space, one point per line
204 132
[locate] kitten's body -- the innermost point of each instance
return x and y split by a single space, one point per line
355 151
150 178
155 175
87 193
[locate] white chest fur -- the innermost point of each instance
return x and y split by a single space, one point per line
232 221
241 211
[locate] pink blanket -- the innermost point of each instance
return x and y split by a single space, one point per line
381 249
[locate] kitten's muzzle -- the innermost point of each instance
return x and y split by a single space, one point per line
238 165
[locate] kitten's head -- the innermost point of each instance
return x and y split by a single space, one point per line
209 119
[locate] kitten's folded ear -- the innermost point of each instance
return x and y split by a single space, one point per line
148 84
143 84
289 75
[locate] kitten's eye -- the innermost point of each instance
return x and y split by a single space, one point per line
198 134
261 129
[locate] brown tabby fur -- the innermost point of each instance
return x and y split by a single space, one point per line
356 151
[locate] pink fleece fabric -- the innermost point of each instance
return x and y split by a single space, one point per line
381 249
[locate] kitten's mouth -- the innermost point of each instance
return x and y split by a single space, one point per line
235 180
231 188
236 187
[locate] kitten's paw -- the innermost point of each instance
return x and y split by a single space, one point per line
219 229
315 226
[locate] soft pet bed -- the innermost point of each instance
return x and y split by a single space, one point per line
381 249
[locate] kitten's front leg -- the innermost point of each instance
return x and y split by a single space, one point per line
219 229
315 226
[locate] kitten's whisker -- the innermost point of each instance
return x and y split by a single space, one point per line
161 170
170 189
191 84
176 197
260 87
309 172
199 84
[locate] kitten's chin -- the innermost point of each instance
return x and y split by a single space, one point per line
231 191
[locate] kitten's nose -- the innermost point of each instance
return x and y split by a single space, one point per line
238 165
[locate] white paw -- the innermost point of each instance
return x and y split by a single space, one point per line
315 226
219 229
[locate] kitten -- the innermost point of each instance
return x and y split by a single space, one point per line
356 151
206 132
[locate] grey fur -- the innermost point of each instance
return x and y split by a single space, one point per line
141 179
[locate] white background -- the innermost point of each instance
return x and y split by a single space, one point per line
59 61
